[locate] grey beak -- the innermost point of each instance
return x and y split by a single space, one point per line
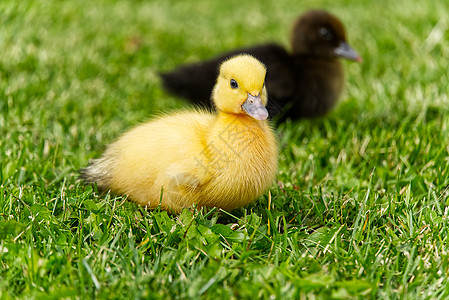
253 106
346 51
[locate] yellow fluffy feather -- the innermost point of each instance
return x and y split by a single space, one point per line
224 160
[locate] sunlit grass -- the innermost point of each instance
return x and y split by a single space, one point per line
360 205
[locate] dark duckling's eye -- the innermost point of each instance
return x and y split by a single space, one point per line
234 84
325 33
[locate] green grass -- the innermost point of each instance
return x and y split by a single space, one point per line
360 205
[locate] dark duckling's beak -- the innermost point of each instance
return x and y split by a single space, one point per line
346 51
254 107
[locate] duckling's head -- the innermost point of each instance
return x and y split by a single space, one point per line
318 33
240 87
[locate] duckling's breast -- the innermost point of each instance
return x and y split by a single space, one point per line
241 158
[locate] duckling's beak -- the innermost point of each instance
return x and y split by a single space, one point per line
254 107
346 51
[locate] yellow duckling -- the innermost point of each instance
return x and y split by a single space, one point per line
223 160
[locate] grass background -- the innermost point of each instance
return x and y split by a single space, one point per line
360 205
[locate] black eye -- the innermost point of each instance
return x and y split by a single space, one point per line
234 84
325 33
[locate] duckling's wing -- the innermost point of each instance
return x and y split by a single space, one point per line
196 81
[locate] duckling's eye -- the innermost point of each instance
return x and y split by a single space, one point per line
325 33
234 84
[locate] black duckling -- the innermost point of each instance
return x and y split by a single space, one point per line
303 83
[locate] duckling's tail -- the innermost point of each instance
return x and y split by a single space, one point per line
194 82
98 171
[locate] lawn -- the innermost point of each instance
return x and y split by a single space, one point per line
360 205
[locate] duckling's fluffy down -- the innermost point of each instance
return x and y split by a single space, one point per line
187 158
